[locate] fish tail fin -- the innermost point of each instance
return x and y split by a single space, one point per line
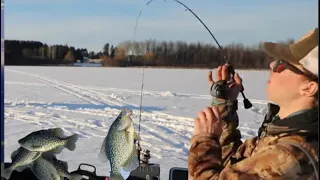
76 177
71 142
6 173
116 177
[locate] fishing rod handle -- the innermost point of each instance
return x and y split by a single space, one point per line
246 102
231 72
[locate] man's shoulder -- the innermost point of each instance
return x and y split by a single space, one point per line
288 139
298 147
291 154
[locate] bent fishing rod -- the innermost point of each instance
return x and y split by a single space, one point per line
246 102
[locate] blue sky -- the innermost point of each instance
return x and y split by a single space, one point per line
91 24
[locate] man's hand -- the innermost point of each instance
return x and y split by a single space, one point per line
234 87
208 122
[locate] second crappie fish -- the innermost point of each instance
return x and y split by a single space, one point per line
21 158
48 140
61 167
44 170
119 148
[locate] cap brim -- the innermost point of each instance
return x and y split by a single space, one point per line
279 51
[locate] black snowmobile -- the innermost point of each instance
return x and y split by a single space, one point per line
145 171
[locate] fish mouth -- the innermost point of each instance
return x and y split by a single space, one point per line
126 112
21 141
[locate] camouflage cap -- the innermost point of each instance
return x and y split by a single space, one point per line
303 53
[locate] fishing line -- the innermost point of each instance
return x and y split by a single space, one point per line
142 79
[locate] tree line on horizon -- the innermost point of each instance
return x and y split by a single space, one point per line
140 53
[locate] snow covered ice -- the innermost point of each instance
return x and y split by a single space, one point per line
86 100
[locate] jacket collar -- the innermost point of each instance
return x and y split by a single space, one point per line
304 122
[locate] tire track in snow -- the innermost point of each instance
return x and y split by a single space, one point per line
88 96
170 94
70 89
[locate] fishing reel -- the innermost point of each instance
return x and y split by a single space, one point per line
247 104
220 89
145 156
146 170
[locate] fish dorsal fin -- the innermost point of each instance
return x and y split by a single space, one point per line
57 132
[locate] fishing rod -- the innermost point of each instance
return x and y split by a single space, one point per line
246 102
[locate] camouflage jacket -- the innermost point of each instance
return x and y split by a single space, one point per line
284 149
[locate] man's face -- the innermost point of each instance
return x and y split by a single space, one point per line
284 86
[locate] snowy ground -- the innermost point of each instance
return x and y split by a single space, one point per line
85 100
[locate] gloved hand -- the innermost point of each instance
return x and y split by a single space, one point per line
223 88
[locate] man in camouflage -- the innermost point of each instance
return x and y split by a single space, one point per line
287 143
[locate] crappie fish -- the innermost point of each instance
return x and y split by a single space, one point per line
48 140
21 159
61 167
44 170
118 147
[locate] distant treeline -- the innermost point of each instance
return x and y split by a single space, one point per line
38 53
149 53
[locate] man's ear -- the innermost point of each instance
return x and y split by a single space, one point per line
310 89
